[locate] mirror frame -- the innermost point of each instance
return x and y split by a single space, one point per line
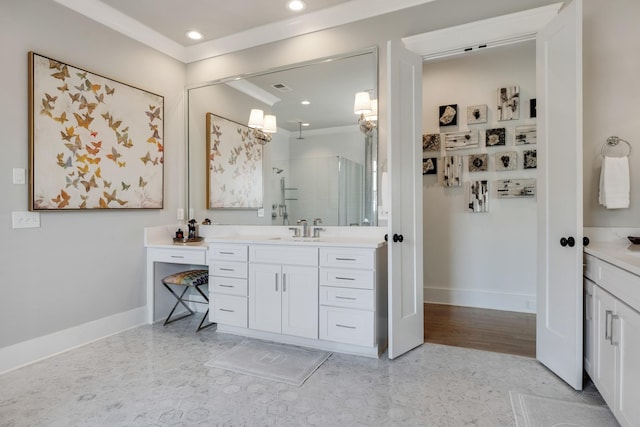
374 197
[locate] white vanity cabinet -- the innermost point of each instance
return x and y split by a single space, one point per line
283 290
614 337
351 298
228 284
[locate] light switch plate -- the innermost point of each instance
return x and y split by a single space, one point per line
19 176
260 212
25 219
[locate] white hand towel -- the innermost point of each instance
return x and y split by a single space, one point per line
614 183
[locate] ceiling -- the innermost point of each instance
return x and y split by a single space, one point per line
227 25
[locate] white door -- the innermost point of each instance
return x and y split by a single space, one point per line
300 301
559 289
404 130
265 304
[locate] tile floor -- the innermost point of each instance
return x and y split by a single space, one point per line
155 376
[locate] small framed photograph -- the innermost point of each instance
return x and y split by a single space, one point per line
506 160
461 140
478 162
430 166
477 114
508 103
452 171
516 188
526 135
496 137
431 142
448 115
530 159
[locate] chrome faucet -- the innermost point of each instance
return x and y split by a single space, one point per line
296 231
305 227
316 229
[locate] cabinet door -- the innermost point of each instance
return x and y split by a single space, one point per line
626 333
300 301
264 297
589 327
605 359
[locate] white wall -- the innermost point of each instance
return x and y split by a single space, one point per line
78 267
479 259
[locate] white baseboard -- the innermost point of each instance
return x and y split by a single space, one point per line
27 352
481 299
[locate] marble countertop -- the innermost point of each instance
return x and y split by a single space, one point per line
623 255
333 241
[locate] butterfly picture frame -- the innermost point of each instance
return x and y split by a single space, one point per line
234 165
94 143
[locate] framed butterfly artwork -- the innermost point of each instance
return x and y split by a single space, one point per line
234 165
94 143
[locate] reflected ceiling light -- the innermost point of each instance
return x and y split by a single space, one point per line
305 102
262 124
305 125
367 108
296 5
194 35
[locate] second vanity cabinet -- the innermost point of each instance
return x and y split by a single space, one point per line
283 290
228 288
612 337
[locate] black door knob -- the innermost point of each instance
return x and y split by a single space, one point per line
585 241
398 238
386 237
567 241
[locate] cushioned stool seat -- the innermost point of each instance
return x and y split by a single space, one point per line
189 279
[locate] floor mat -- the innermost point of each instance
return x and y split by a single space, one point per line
537 411
278 362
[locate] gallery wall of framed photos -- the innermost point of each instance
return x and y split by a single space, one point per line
479 178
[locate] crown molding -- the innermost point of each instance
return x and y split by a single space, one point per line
351 11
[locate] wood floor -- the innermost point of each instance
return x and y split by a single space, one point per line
492 330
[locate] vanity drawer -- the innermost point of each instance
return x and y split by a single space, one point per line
228 269
347 326
228 285
228 310
362 299
284 255
228 252
361 279
180 256
347 257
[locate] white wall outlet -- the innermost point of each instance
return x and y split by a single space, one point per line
25 219
260 212
180 214
19 176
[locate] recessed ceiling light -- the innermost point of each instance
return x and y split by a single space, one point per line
296 5
194 35
306 124
305 103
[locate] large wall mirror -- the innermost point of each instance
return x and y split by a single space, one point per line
319 164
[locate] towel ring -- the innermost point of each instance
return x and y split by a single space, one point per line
612 141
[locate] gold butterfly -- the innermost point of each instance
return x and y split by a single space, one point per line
62 118
106 184
54 64
46 109
100 98
97 173
109 90
75 97
90 106
160 148
128 143
114 155
90 183
121 202
122 164
110 197
63 163
84 120
153 114
152 140
82 75
63 88
77 145
103 204
81 158
82 171
142 183
62 74
92 150
83 205
125 186
146 158
68 134
94 161
62 199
